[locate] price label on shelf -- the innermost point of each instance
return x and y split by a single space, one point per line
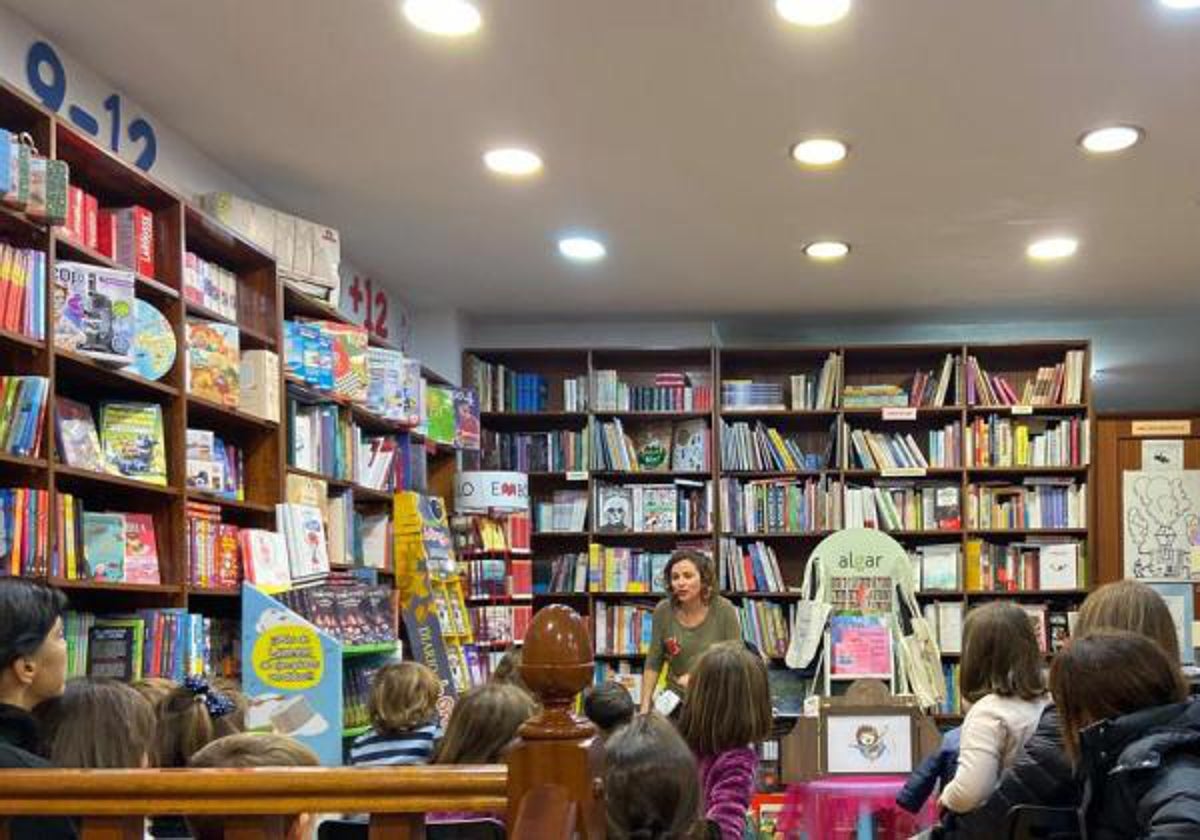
899 413
903 472
577 475
1022 409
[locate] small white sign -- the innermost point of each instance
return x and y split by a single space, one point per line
903 472
1021 409
899 413
1162 455
481 491
577 475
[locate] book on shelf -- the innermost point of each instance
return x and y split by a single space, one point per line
304 535
214 553
356 690
667 391
265 556
781 505
903 506
214 361
748 395
817 391
210 285
115 649
131 434
94 311
750 567
692 443
933 388
83 216
1025 566
765 625
466 419
563 573
170 643
23 291
1039 502
500 624
564 450
652 446
321 439
214 466
564 512
502 389
1061 383
22 414
873 450
945 619
126 235
618 569
76 435
998 441
24 531
339 529
258 384
624 673
937 567
622 629
104 545
153 342
353 612
765 448
660 508
875 395
440 413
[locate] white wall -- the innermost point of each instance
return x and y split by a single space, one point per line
437 338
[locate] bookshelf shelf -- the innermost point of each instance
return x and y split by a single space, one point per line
651 415
369 494
217 415
647 475
767 474
371 422
650 535
777 535
257 337
1031 593
561 535
328 479
1004 472
203 592
296 303
947 594
929 412
22 462
88 479
230 504
74 367
900 475
12 219
1031 532
101 586
23 342
1034 410
745 414
497 416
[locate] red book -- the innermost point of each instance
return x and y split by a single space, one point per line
74 224
106 232
90 223
133 239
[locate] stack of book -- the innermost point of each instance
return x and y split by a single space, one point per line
750 568
818 392
24 537
748 395
997 441
880 395
1059 384
559 451
901 506
565 512
214 556
23 291
321 439
631 570
353 613
765 448
670 391
114 547
765 625
211 286
170 643
622 629
1041 502
1024 566
781 505
22 414
214 466
214 361
567 573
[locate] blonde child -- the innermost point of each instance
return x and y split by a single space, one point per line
403 709
726 712
1001 674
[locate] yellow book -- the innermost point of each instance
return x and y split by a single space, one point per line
595 567
1022 458
789 463
974 577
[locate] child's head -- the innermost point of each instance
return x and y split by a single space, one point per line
728 700
97 724
1109 673
1129 605
154 689
403 696
651 784
508 670
232 689
1000 654
608 705
189 717
483 723
245 750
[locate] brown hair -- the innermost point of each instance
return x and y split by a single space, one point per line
1000 654
232 688
728 701
704 567
185 726
508 670
483 722
651 784
1110 673
1133 606
97 724
255 749
608 705
403 696
154 689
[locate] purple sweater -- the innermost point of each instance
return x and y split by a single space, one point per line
728 782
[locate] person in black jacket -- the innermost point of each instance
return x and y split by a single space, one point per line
1042 773
33 668
1132 735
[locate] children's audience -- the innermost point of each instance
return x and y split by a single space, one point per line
1001 675
727 710
403 709
1132 735
608 705
154 689
97 724
191 716
484 721
651 783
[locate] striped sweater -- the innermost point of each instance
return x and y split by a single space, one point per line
413 747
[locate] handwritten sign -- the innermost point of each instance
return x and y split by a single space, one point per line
289 656
899 413
861 647
1021 409
1160 428
46 76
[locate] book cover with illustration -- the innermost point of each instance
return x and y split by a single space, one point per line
93 311
614 506
411 409
132 437
690 453
652 443
213 361
466 418
104 545
141 549
349 344
440 411
78 441
153 342
659 503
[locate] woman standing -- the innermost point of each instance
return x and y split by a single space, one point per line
686 624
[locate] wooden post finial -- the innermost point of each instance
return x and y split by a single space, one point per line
557 664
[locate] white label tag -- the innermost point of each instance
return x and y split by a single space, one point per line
903 472
1021 409
899 413
577 475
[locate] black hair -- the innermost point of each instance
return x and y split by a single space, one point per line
608 705
28 611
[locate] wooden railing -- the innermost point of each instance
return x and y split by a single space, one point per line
550 787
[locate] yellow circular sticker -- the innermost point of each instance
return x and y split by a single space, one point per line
289 657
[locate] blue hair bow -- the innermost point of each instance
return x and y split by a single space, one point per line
217 704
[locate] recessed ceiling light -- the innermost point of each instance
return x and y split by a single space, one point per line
581 248
1052 248
812 12
449 18
819 151
1181 4
829 250
1112 138
512 161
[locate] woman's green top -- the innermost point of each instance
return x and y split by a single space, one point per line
720 625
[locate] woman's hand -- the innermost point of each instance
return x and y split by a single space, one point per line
682 679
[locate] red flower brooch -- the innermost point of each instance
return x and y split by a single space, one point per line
672 646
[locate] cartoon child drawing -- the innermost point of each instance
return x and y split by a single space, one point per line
870 742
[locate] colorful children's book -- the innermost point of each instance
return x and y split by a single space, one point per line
132 436
94 311
441 414
214 361
266 559
690 453
104 545
204 470
349 360
466 418
141 549
304 532
78 443
652 442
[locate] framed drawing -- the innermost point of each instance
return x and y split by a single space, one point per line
866 740
1179 601
1160 514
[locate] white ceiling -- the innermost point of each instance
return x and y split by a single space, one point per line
665 127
